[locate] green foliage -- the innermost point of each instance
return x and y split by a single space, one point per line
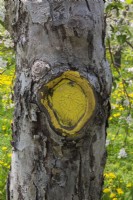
6 109
119 169
118 182
7 66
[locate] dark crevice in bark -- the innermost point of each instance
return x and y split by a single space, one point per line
46 196
108 114
104 35
80 183
87 5
75 32
17 28
103 161
103 43
36 191
8 187
72 197
63 32
20 193
90 45
46 28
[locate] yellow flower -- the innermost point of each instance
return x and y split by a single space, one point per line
1 162
112 195
9 155
106 190
6 80
110 180
131 94
3 128
121 108
112 139
115 105
4 148
112 175
120 84
105 174
114 199
120 135
120 191
116 115
129 185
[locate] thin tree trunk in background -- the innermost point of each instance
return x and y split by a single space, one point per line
52 37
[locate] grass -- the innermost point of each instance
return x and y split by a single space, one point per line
118 171
6 111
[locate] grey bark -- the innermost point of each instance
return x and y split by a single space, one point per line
65 35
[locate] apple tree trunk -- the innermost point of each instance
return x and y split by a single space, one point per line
61 96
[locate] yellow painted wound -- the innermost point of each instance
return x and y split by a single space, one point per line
70 102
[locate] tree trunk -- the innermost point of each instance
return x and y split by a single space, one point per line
62 89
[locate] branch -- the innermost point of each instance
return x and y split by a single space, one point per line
111 56
123 81
126 93
129 44
2 72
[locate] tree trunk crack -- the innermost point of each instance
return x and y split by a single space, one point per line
80 185
87 5
8 187
36 191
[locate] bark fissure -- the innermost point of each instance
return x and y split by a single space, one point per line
90 45
8 187
20 196
87 3
80 182
36 197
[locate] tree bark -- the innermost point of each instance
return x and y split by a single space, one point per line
52 37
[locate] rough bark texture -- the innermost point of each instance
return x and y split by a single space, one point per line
66 35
